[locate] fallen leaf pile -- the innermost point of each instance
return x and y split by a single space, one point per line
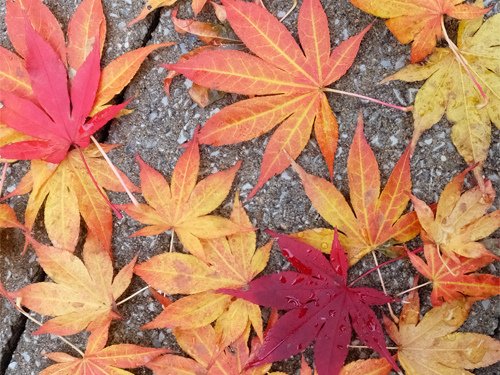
226 301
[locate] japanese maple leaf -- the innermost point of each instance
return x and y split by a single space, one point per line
288 83
207 357
420 21
227 262
57 121
83 293
377 216
184 205
460 220
320 306
152 5
431 346
101 360
361 367
68 191
455 280
449 89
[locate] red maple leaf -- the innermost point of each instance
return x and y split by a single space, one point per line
57 118
321 307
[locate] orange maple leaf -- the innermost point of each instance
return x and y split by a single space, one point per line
461 219
377 215
83 294
420 21
228 262
289 83
184 206
8 218
378 366
208 358
454 280
101 360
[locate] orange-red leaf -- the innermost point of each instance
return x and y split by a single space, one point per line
376 216
419 20
293 77
456 279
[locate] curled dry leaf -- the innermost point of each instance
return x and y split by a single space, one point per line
430 345
419 21
227 262
461 219
377 216
320 306
288 84
152 5
83 293
184 206
448 89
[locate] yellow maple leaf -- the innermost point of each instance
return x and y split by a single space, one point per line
230 262
448 89
431 346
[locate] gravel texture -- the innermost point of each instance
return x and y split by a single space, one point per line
160 124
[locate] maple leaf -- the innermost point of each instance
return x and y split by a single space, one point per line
227 262
82 295
68 191
460 220
152 5
289 84
184 205
419 21
454 280
449 89
321 307
207 357
101 360
431 346
377 216
361 367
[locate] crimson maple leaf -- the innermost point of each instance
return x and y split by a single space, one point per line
57 118
321 307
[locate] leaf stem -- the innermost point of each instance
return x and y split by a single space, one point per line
294 5
172 241
115 171
382 265
393 316
462 61
363 97
367 347
2 177
111 205
132 296
414 288
27 315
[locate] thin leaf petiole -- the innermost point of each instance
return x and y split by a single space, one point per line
28 316
2 176
294 5
115 171
414 288
393 316
172 241
462 61
132 296
363 97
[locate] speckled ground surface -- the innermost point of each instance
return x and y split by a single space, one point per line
159 124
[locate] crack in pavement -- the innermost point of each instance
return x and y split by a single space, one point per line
19 326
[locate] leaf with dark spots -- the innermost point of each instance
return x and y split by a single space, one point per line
320 306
